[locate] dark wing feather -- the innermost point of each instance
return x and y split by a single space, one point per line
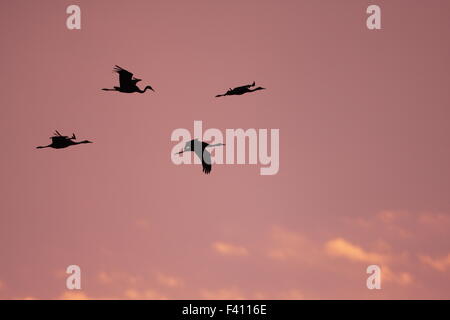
124 76
205 158
206 167
206 161
58 137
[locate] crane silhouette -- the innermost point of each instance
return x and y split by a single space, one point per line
241 90
128 83
60 142
199 148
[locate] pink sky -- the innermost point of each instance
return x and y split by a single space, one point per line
364 150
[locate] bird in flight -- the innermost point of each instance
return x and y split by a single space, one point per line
128 83
199 147
60 142
241 90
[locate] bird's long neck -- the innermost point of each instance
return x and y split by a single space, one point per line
255 89
79 142
142 91
42 147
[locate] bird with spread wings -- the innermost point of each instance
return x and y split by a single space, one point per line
127 82
199 148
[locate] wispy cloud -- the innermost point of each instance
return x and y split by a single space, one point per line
437 220
147 294
340 247
73 295
169 281
222 294
229 249
439 264
293 294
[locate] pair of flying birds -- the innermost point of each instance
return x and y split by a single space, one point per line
128 84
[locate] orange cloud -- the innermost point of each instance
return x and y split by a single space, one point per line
293 294
439 264
169 281
73 295
129 293
222 294
342 248
401 278
229 249
148 294
105 278
389 217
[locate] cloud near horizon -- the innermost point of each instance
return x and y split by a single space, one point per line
290 252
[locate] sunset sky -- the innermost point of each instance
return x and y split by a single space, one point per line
364 173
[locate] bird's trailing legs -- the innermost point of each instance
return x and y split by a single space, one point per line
215 145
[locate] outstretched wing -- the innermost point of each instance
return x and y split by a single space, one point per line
124 76
205 158
206 162
247 86
58 137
